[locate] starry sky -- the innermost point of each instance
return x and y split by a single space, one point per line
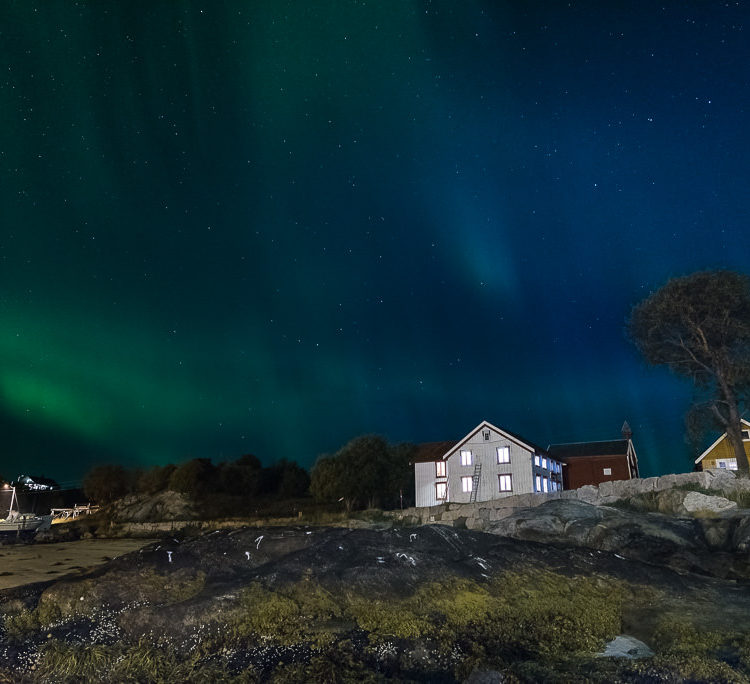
267 227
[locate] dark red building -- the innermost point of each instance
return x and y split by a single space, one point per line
591 463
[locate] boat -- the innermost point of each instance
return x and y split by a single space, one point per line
23 523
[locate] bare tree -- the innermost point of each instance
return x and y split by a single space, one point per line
699 326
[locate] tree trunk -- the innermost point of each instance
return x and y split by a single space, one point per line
734 427
734 435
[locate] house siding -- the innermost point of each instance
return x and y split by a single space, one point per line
424 481
485 452
722 450
589 470
483 443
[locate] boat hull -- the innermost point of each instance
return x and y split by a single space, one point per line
25 523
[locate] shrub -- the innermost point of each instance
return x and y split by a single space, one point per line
105 483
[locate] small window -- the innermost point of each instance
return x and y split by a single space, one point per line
537 460
441 489
486 435
503 454
545 484
506 483
608 471
544 463
440 469
727 463
746 435
466 458
538 483
466 484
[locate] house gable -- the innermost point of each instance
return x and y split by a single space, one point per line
722 449
494 434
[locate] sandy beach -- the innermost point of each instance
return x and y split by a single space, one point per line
28 563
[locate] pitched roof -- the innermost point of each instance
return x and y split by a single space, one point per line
700 458
435 451
615 447
523 440
432 451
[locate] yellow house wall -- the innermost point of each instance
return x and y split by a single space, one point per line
722 450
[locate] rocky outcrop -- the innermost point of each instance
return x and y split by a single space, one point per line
709 546
429 603
161 507
669 492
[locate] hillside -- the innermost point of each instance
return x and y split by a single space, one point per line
535 598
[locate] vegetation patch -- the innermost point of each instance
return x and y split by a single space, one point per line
524 614
292 614
686 652
530 624
740 497
174 587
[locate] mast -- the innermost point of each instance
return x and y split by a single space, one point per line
12 499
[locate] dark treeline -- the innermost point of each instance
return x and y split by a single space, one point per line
199 479
366 472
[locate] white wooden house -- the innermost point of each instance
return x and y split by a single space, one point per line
489 463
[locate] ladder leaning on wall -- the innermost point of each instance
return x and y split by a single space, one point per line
475 482
444 498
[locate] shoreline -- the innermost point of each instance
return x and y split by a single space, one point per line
22 564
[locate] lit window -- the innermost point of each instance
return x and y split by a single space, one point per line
503 454
608 471
538 483
505 483
466 458
537 461
440 469
466 484
441 489
544 484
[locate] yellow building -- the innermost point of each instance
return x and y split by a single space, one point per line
721 453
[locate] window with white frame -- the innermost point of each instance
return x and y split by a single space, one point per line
505 482
538 483
607 471
440 469
466 484
544 463
746 435
503 454
441 489
537 460
727 463
545 486
466 458
486 434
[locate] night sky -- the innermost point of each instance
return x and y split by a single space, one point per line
267 227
